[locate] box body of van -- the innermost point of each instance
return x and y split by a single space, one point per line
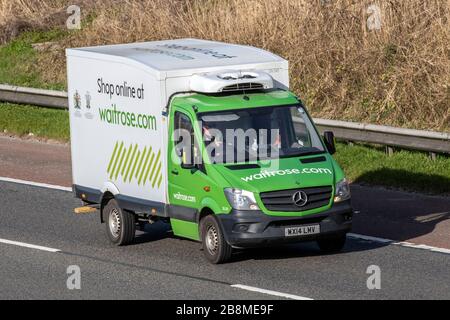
129 108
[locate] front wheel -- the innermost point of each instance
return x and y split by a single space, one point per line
333 244
120 224
214 245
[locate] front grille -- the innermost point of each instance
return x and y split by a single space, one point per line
282 200
243 86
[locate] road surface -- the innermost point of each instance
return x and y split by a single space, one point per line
161 266
384 213
40 237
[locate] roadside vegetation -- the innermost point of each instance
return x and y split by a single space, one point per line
34 122
374 61
396 73
413 171
407 170
19 60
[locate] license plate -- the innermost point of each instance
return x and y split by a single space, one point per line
302 230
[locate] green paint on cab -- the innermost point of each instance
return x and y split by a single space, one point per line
185 229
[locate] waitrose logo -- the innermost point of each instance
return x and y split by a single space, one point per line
268 174
136 120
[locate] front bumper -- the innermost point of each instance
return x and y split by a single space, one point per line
246 229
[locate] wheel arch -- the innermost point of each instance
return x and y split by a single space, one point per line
205 211
109 191
106 197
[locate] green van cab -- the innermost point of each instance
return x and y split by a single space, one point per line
300 194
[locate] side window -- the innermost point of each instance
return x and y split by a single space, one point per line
185 145
183 122
301 135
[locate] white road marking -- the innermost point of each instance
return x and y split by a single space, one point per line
270 292
399 243
30 246
351 235
423 247
35 184
369 238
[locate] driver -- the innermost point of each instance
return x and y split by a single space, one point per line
209 137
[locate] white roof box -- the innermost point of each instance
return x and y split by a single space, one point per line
185 57
227 81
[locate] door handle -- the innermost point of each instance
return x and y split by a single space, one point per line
175 172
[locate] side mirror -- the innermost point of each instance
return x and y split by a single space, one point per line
328 137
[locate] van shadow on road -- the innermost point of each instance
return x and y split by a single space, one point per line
402 216
396 215
300 250
153 232
160 230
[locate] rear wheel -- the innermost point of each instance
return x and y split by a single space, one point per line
120 224
333 244
215 247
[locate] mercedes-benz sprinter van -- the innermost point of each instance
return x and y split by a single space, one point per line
205 136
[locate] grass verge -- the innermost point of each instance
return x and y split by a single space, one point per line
22 120
18 60
380 62
408 170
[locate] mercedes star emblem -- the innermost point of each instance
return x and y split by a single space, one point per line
300 198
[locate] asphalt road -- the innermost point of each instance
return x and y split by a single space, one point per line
161 266
384 213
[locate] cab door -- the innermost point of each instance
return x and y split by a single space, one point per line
187 179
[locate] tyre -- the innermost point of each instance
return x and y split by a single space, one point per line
120 224
214 245
333 244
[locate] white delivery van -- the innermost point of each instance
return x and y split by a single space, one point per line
126 104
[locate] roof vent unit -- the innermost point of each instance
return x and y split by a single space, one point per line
230 81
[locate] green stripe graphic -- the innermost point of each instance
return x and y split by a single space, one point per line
134 165
126 159
145 165
115 161
160 180
154 166
140 162
157 174
148 167
120 163
112 157
131 162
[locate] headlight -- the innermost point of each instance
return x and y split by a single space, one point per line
241 199
342 191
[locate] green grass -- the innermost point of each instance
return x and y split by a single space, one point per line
408 170
21 120
18 60
413 171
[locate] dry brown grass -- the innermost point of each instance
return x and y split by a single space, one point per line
399 75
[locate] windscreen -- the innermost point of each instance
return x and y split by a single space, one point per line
259 133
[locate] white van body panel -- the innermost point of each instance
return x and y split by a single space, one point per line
109 86
105 149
